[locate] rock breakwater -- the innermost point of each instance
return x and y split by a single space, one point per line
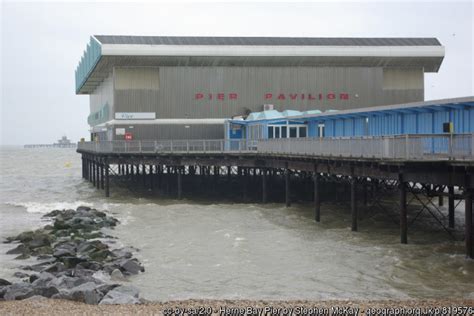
73 258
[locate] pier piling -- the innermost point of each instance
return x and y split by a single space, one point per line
107 181
264 185
317 201
180 191
287 187
469 237
451 207
403 210
353 204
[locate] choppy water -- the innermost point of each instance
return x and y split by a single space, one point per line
204 250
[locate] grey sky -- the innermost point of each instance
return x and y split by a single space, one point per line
43 42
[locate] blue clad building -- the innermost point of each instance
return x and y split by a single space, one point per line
429 117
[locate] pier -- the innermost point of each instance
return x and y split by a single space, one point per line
431 167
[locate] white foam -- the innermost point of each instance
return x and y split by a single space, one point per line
38 207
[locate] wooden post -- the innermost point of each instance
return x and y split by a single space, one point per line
317 200
287 187
144 175
365 193
353 204
264 185
180 193
451 206
107 181
440 200
403 209
89 169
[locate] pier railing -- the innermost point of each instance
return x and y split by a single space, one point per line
405 147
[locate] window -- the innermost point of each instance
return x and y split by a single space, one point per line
277 131
293 132
283 132
302 131
270 131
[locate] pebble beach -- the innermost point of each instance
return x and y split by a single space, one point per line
44 306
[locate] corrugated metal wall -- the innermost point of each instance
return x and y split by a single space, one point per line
178 86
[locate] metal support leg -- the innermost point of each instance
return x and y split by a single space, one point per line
403 210
264 185
287 188
98 176
102 174
468 220
440 200
451 206
180 193
107 181
151 175
353 204
317 199
94 178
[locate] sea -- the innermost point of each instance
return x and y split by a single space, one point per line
205 249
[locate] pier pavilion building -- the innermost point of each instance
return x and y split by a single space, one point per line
151 87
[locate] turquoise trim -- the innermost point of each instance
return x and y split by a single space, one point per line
89 60
100 116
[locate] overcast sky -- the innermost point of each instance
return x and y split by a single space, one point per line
42 44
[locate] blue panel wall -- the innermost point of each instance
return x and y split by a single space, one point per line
410 123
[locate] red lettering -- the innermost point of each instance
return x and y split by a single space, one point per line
220 96
198 96
268 96
232 96
293 96
281 96
344 96
331 96
310 97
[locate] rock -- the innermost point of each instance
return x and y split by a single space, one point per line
131 266
64 282
87 293
20 249
42 279
117 275
122 253
33 278
36 298
19 291
121 295
105 288
71 262
48 291
64 251
3 290
55 267
41 251
40 240
20 275
22 256
90 265
4 282
83 208
82 273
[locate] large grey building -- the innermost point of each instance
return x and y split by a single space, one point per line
147 87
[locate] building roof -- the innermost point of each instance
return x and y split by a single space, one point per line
413 107
107 51
266 41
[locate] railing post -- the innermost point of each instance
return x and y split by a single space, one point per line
187 146
204 145
407 155
140 146
156 146
171 146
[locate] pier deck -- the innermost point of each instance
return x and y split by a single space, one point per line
434 165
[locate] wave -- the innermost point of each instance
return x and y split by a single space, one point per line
43 208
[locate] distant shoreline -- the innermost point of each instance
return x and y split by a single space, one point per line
60 307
